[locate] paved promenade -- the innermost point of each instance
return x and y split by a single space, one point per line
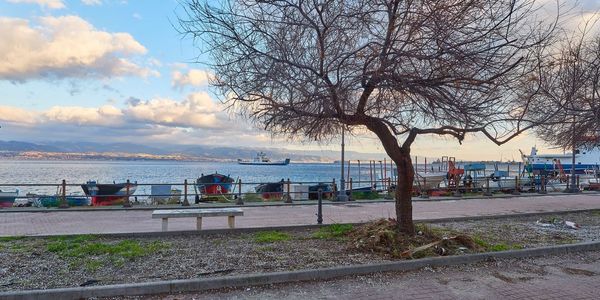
122 221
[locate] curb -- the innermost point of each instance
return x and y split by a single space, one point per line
195 285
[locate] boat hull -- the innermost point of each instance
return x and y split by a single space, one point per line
108 194
7 199
272 190
214 184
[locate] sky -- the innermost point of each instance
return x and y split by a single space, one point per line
118 71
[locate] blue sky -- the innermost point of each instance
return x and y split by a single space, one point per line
117 71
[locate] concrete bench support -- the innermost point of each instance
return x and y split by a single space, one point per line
165 214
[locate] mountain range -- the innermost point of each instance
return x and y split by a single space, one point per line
54 149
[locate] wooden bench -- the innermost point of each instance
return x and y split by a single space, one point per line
165 214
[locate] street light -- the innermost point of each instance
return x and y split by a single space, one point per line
341 196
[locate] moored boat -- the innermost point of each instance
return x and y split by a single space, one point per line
54 201
585 160
262 159
108 193
326 188
214 184
7 199
271 190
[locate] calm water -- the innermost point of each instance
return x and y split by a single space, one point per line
78 172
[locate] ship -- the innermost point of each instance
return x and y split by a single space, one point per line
261 159
585 161
108 194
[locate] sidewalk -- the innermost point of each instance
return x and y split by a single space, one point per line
125 221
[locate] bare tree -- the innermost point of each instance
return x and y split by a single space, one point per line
571 84
398 68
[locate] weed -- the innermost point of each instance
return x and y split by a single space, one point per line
499 247
332 231
271 236
252 198
365 195
93 265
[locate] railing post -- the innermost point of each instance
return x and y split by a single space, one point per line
578 186
487 187
239 201
350 189
127 203
516 190
424 189
320 207
288 197
542 185
63 196
185 194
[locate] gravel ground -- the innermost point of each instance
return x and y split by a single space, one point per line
28 264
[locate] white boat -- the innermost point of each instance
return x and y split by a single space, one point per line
262 159
584 160
7 199
429 181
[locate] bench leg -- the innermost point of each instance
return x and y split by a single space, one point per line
165 224
231 221
199 223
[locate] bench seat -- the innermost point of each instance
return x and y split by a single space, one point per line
165 214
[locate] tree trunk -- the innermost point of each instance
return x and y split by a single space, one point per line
404 186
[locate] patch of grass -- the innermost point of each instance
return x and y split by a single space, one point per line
365 195
5 239
332 231
252 198
499 247
85 250
271 236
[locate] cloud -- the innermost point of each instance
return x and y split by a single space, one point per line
51 4
91 2
66 47
198 110
193 77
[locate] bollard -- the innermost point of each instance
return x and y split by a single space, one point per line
288 198
127 203
516 190
320 207
185 194
63 196
239 201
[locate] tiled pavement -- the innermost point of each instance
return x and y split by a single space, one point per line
123 221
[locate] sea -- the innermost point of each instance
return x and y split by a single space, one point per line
19 174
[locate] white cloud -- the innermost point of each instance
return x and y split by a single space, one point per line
51 4
137 16
198 110
63 47
91 2
193 77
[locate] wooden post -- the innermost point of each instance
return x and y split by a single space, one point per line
392 169
127 203
487 187
288 197
516 191
185 194
350 189
348 174
63 196
381 171
358 161
425 165
371 172
385 169
239 201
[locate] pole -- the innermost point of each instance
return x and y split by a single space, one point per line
371 172
385 169
358 172
574 188
341 195
350 188
63 196
320 207
348 171
185 194
381 172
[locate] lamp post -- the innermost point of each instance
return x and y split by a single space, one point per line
341 196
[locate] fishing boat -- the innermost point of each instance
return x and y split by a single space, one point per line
261 159
108 193
585 160
428 181
214 184
272 190
7 199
